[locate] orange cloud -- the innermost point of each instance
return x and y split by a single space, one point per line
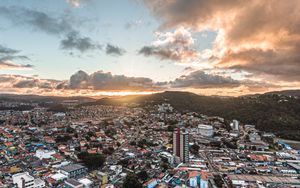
259 37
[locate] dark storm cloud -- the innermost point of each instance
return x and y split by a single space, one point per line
114 50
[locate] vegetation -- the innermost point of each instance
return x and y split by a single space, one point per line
195 149
62 138
58 108
269 112
143 175
131 181
92 161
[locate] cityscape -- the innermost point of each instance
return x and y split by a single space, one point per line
131 146
149 94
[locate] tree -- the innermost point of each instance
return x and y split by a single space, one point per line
164 166
91 161
109 151
131 181
63 138
195 149
143 175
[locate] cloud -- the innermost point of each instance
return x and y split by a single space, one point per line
36 20
133 24
200 79
106 81
114 50
57 26
74 41
17 81
97 81
175 46
11 65
78 80
76 3
7 57
259 37
7 51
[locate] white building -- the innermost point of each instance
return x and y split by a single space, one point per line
254 137
86 182
44 154
235 125
24 180
167 156
165 108
205 130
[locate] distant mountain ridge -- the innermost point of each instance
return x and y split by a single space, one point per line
286 92
40 98
270 112
277 112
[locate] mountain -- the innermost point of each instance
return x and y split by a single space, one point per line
271 112
39 98
28 102
286 93
277 112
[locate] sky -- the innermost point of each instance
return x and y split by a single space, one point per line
113 47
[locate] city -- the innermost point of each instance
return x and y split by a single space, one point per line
125 146
149 93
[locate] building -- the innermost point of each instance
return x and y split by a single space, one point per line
274 181
87 183
176 142
198 179
71 183
235 125
181 145
44 154
24 180
73 171
168 156
103 177
205 130
151 183
254 137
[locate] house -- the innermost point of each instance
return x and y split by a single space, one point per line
73 170
71 183
24 180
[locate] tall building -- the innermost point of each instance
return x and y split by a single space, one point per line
181 145
176 142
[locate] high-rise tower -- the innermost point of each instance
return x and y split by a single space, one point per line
181 145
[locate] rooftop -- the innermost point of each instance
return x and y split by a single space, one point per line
72 167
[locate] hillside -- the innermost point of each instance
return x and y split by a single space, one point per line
295 93
270 112
39 98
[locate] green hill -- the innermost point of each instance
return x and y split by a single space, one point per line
272 112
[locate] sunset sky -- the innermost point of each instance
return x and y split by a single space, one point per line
120 47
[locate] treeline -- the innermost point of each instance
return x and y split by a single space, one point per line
269 112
